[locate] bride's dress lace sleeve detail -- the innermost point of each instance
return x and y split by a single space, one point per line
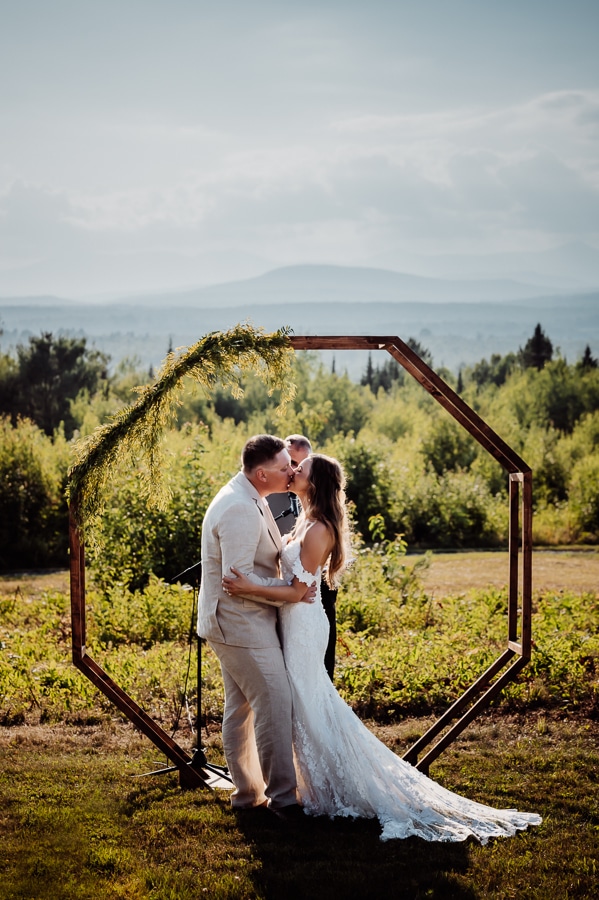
291 564
301 574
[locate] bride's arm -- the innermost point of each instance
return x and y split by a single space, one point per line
294 592
316 546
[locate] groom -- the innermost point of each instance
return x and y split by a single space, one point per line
239 530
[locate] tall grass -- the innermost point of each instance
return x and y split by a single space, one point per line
401 651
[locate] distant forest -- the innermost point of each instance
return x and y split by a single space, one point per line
410 467
455 333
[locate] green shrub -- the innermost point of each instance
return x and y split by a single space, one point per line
133 539
158 613
401 651
33 512
448 447
584 496
368 482
453 510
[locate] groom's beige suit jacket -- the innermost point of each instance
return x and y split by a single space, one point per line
239 530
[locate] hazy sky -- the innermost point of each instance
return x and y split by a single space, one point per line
158 143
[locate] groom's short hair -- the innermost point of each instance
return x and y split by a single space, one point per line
260 449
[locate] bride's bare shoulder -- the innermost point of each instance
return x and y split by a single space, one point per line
316 526
317 533
316 546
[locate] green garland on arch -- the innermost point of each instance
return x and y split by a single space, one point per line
136 431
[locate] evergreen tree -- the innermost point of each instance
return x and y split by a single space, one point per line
421 351
494 371
538 350
391 372
587 361
46 376
367 377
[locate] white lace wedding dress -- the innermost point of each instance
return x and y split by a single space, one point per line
343 769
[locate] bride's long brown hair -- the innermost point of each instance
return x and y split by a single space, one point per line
326 503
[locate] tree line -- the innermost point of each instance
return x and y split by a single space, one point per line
407 461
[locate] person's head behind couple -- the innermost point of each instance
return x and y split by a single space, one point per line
299 448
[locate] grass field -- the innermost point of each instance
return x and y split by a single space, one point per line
558 570
568 569
76 822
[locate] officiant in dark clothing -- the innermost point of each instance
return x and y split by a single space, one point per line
286 508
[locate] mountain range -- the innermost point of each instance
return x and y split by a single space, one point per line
344 284
459 321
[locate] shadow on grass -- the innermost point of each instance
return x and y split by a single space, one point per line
346 859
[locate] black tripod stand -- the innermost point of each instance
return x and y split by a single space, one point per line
215 776
193 577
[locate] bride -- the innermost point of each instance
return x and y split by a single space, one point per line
342 768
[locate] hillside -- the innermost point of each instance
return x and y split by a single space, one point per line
458 321
346 284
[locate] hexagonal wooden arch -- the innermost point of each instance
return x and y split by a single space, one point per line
478 696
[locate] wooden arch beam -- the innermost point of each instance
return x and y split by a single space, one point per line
518 643
485 688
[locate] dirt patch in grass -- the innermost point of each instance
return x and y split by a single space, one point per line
36 582
575 570
108 736
552 570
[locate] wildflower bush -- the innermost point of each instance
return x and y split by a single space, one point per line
404 652
401 651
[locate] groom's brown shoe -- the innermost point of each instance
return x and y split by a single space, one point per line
255 816
292 816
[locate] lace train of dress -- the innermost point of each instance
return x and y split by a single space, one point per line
343 769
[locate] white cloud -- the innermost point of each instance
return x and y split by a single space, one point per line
294 133
33 222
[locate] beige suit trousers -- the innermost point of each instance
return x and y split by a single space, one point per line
257 737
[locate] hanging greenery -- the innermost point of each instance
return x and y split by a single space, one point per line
136 431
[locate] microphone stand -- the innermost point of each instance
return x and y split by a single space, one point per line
293 508
219 775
